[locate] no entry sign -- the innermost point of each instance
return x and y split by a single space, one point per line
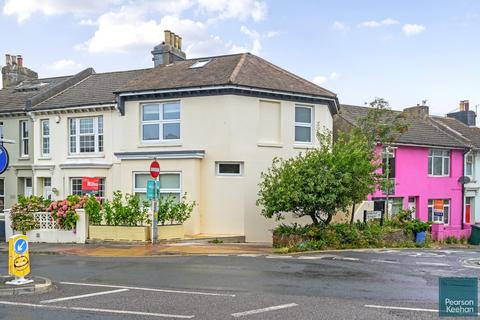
154 169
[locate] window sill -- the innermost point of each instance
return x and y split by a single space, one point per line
432 176
24 158
82 156
303 146
44 158
269 145
161 144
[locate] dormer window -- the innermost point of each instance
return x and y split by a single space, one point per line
200 63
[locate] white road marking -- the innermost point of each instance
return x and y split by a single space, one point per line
84 296
385 261
253 255
437 264
316 257
148 289
278 257
345 258
400 308
40 306
246 313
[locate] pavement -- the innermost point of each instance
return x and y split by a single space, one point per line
113 249
360 284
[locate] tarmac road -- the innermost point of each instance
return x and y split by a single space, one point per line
386 284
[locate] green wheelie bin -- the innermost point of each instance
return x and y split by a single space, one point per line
475 236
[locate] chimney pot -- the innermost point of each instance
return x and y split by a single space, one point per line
20 60
179 43
168 35
172 39
14 60
8 59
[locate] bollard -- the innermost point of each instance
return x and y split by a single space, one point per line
18 259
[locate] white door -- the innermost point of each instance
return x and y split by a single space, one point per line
28 187
47 188
412 205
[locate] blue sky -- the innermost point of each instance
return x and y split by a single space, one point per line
403 51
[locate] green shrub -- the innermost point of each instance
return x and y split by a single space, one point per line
416 225
175 211
463 240
93 209
21 213
129 212
451 240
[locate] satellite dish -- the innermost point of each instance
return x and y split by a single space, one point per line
464 180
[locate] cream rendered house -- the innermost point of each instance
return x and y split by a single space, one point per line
214 124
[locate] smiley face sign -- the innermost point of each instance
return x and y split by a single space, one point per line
18 257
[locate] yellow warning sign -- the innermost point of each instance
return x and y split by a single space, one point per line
18 258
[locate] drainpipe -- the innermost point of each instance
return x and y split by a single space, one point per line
465 151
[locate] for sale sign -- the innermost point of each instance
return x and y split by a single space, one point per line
90 184
438 208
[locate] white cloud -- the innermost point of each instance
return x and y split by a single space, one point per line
239 9
339 25
376 24
256 38
61 67
320 79
412 29
24 9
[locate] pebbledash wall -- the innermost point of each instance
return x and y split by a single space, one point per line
412 180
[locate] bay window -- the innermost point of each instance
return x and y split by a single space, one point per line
160 122
170 184
438 162
86 135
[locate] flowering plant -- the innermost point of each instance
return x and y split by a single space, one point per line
64 211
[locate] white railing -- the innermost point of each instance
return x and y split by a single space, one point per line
49 231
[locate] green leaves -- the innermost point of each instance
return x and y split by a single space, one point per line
175 211
320 182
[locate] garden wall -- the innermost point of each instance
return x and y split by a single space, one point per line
49 231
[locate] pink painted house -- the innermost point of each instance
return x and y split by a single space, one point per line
426 165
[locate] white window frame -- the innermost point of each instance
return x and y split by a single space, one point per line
27 191
2 129
47 189
45 138
136 190
472 163
24 139
445 154
430 206
472 209
97 132
101 196
218 173
161 122
304 124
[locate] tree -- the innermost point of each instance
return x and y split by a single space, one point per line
381 127
318 183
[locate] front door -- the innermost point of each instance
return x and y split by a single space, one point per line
28 187
412 206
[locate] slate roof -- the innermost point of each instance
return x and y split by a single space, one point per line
14 100
420 131
243 69
471 134
96 89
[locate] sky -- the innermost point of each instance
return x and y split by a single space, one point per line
403 51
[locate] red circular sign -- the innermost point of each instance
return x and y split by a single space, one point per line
154 169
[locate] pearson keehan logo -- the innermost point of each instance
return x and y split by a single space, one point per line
458 297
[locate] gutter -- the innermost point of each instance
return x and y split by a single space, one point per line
120 100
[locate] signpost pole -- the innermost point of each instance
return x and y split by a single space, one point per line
154 216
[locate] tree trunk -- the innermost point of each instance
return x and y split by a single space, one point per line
314 218
353 213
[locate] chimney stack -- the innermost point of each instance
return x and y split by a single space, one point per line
14 72
169 51
465 115
419 111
